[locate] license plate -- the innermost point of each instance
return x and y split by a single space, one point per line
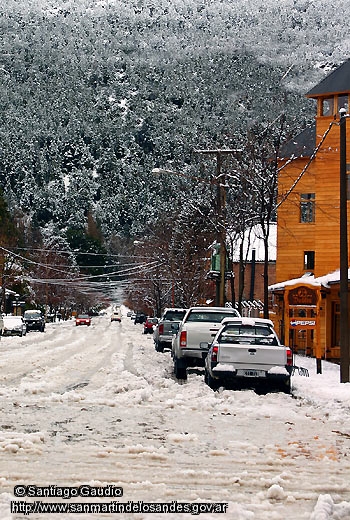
251 373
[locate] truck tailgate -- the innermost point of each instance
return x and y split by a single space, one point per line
198 333
168 327
263 356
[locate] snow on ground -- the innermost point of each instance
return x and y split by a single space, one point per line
99 406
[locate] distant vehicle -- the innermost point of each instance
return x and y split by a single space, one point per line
115 316
196 332
168 325
34 320
83 319
129 314
247 351
149 325
14 326
133 316
140 317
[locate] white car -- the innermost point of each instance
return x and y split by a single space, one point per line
195 333
247 352
14 326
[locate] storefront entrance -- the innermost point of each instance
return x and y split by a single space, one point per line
301 311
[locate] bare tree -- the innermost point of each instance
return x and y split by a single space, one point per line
261 175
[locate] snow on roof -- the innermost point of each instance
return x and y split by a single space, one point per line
336 81
8 291
309 279
253 239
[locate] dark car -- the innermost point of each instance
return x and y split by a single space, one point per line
148 326
34 320
140 317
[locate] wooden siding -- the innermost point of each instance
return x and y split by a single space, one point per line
322 236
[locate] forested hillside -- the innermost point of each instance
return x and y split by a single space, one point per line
96 94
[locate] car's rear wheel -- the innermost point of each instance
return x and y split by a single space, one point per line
285 386
210 381
179 371
159 347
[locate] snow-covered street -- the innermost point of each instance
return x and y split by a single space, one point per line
99 406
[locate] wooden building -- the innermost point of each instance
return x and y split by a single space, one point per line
305 299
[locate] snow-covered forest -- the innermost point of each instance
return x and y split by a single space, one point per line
96 94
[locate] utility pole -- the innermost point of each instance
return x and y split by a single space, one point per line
344 263
221 211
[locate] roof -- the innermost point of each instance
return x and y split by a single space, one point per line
247 320
302 145
308 279
337 81
209 309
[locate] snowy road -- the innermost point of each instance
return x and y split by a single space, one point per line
98 405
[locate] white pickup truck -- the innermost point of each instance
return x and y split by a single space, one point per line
247 352
196 332
167 326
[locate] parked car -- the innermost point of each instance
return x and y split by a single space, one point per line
148 326
168 325
247 351
14 326
140 317
34 320
83 319
115 316
196 332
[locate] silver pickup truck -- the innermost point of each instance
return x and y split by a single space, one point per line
167 326
247 352
196 332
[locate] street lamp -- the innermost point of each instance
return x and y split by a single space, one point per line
344 262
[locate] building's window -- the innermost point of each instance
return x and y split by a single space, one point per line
309 260
343 102
336 325
327 107
307 207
